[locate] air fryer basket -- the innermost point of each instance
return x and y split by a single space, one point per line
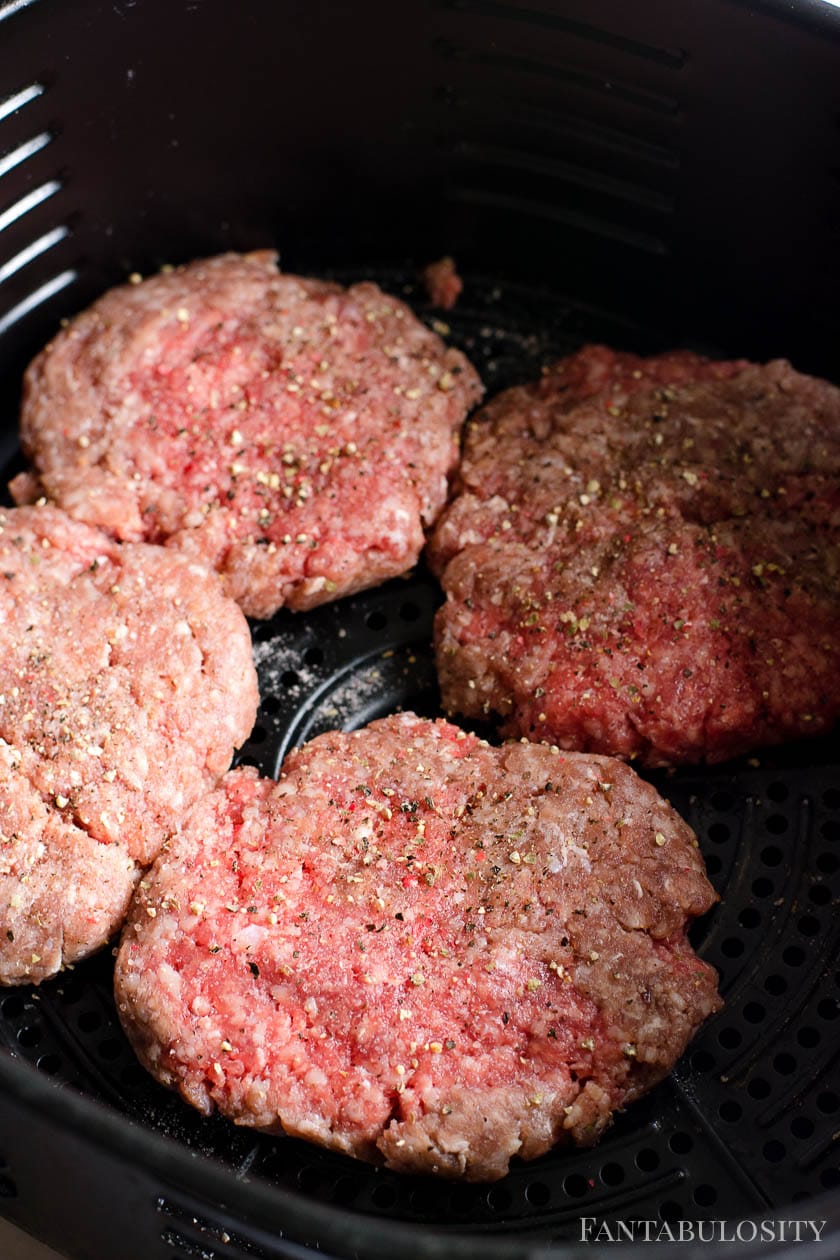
649 175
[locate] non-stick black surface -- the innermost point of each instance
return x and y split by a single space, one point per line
748 1121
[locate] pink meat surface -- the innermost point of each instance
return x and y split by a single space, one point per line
126 681
293 435
420 949
642 558
443 284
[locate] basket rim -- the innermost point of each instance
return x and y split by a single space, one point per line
264 1206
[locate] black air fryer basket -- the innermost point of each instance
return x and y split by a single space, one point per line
655 174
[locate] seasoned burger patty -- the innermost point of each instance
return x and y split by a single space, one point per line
292 434
420 949
126 681
644 568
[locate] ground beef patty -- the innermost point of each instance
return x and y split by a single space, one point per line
420 949
126 680
645 568
292 434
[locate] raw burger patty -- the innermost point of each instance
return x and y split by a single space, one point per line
642 558
126 681
292 434
420 949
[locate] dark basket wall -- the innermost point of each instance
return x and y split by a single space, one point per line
668 162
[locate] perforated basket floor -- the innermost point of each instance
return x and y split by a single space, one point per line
747 1123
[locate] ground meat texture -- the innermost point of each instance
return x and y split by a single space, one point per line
645 569
126 681
443 284
294 435
419 949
